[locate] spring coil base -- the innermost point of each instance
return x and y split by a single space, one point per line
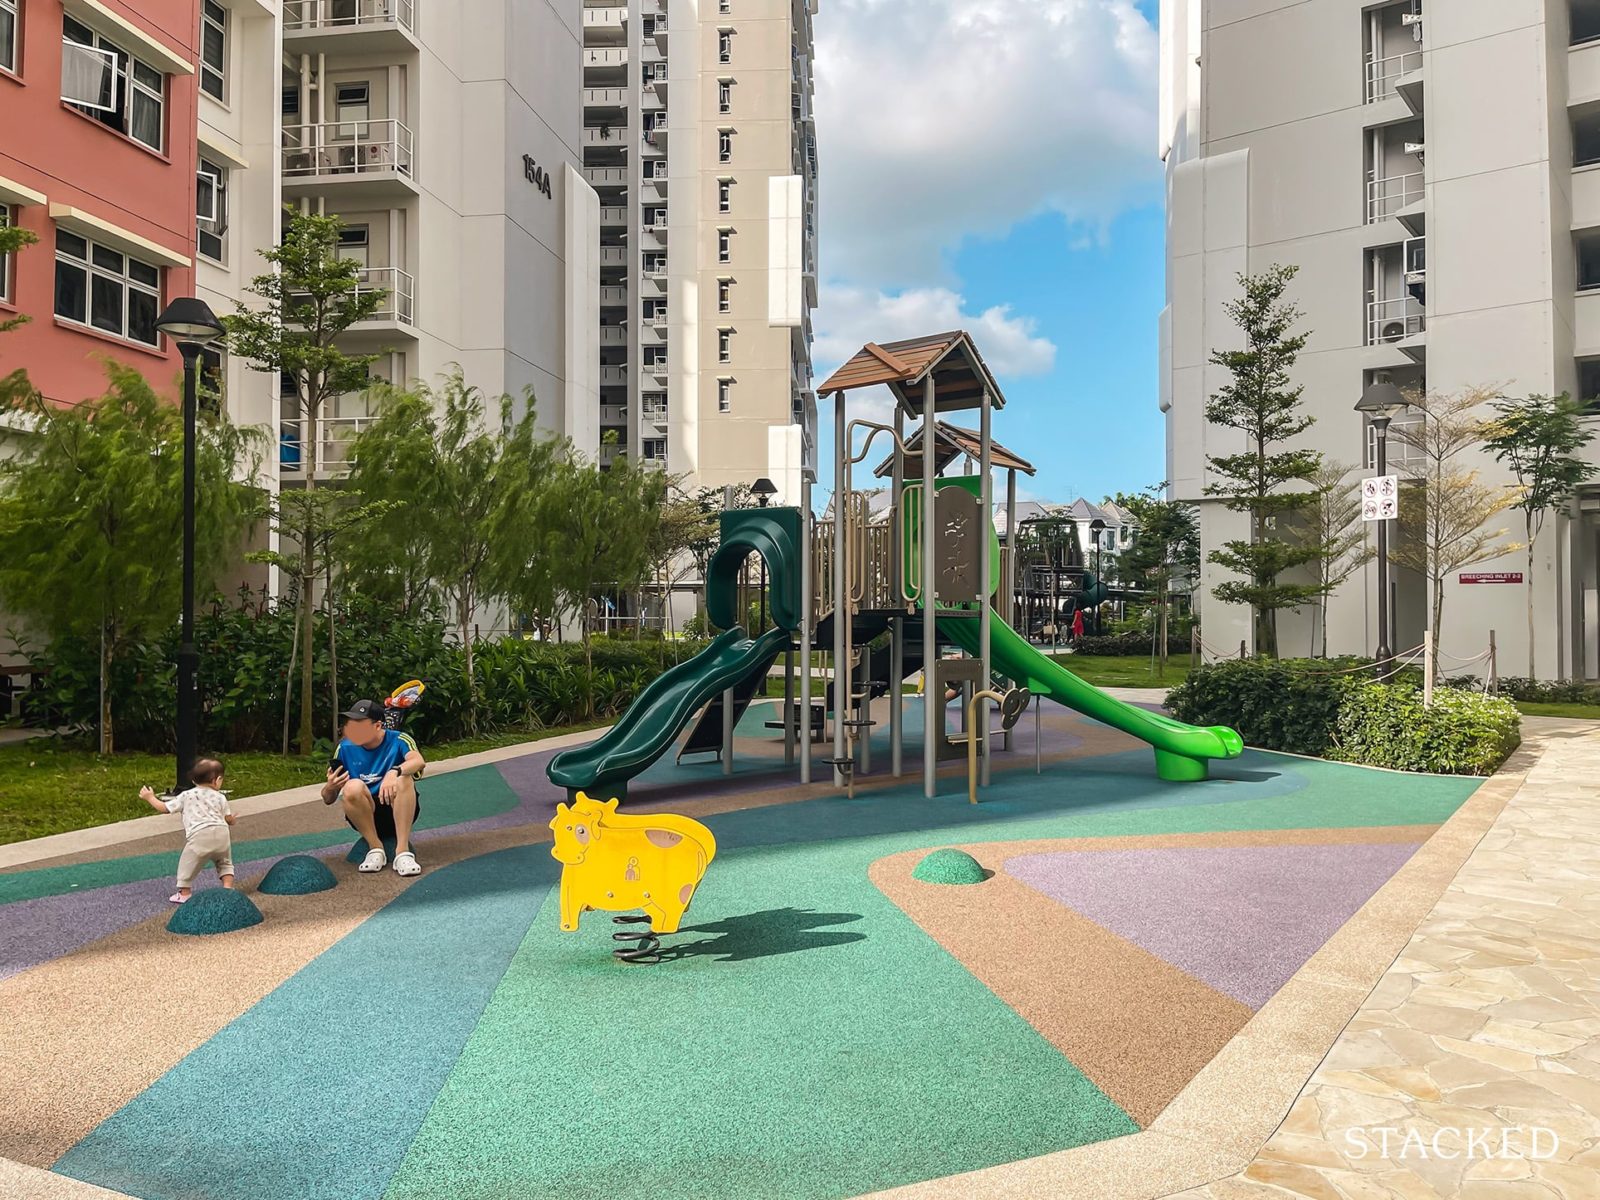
648 948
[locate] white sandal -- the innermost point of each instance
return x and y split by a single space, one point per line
375 861
405 863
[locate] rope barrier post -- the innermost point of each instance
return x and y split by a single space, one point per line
1241 649
1427 668
1494 663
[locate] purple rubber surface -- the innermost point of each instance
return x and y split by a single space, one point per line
1242 920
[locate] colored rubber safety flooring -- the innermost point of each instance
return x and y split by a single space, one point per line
811 1032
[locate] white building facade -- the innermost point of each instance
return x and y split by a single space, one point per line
698 136
446 138
1430 166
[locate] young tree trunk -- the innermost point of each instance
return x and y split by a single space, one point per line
308 614
1528 582
463 617
333 660
1438 614
107 737
288 675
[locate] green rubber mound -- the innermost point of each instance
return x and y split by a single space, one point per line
950 866
297 875
359 850
215 910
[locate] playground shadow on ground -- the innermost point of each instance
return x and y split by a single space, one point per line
764 934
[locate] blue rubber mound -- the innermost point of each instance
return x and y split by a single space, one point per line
359 850
297 875
215 910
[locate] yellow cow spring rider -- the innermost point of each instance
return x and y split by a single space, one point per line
617 863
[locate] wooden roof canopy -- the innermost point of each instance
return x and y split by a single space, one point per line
951 442
960 376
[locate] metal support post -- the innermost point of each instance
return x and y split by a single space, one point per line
932 696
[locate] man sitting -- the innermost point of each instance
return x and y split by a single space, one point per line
374 772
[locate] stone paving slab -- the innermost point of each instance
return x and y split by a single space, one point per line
1485 1029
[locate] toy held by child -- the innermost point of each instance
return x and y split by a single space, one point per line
206 818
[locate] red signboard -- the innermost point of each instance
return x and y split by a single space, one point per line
1491 577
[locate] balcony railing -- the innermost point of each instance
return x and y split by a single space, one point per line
299 15
1386 197
398 287
1394 320
613 414
346 148
655 414
335 435
1383 73
617 57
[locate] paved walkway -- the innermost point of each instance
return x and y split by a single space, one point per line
1486 1028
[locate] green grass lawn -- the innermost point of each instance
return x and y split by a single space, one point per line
1533 708
1110 670
47 786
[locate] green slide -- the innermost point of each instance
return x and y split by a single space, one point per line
652 723
1181 750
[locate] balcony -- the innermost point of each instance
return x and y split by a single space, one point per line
654 414
606 16
399 288
613 217
613 335
1586 319
600 177
359 158
613 376
335 435
609 137
657 368
612 295
611 56
613 256
1385 74
1395 196
385 27
597 97
613 414
1399 322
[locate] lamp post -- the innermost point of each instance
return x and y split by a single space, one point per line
193 325
1096 528
763 489
1379 403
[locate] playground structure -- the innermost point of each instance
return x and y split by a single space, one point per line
882 598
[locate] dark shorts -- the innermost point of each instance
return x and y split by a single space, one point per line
383 818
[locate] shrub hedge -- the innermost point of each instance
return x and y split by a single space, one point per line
1308 707
245 649
1464 733
1128 644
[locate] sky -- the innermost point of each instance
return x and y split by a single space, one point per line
990 165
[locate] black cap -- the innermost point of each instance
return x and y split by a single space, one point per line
365 710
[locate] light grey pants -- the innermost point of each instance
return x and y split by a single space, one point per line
209 843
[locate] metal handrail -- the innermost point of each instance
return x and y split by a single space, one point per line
326 14
1402 309
347 147
1389 195
1382 73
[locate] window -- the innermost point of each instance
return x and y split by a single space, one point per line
211 209
8 35
1589 384
291 102
353 104
724 245
724 395
354 243
724 6
213 49
655 449
5 259
725 46
725 95
725 146
654 262
103 80
724 295
105 289
649 26
724 345
724 195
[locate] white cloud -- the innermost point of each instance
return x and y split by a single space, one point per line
848 317
943 119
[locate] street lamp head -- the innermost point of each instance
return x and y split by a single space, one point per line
190 321
1381 401
763 489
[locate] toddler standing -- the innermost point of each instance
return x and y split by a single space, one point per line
206 818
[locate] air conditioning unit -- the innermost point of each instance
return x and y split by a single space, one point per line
1392 331
1411 18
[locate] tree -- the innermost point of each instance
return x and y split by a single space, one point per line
1165 550
1263 404
1340 536
91 516
431 456
1445 512
312 296
599 526
1539 437
685 537
15 387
